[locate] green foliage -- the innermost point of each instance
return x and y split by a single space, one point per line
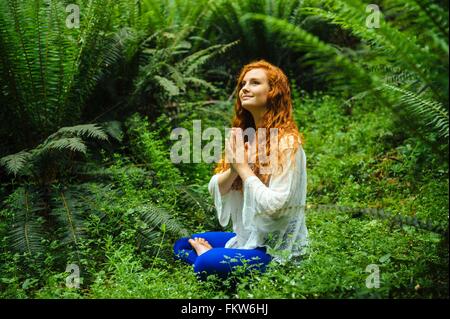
421 72
42 207
47 69
375 123
224 21
168 68
149 149
58 147
431 112
27 231
366 69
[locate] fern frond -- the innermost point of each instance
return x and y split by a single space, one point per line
330 61
193 62
168 85
16 162
387 40
26 232
68 211
73 144
193 196
434 112
87 130
114 129
202 83
437 16
154 217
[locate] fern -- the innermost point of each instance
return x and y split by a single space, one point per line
224 23
65 139
48 70
26 232
68 211
436 15
16 162
386 40
169 66
191 194
201 83
73 144
87 130
155 216
113 129
431 111
193 62
170 87
352 70
410 65
149 148
332 63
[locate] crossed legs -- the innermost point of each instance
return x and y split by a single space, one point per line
207 254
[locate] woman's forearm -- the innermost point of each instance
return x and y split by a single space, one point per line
225 180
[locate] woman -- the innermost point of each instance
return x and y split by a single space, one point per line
264 194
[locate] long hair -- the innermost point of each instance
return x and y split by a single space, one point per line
279 115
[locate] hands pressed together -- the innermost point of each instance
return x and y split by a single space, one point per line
238 154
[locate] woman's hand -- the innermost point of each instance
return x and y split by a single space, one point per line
237 155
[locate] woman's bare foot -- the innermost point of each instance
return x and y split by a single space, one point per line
200 245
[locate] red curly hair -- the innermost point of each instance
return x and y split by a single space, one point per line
279 115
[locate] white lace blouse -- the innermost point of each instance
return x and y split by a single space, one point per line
271 217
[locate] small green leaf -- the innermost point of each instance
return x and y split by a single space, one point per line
385 258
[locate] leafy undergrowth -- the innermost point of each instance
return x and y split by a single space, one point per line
353 161
409 262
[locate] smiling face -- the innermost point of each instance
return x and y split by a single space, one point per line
253 90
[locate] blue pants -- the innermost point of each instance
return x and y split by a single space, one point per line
220 260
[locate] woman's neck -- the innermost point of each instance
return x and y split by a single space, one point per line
258 118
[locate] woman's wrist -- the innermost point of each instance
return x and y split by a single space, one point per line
244 172
233 173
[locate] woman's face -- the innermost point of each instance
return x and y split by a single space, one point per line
254 90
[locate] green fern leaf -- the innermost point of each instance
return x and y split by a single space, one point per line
87 130
155 216
73 144
16 162
26 232
167 85
68 211
434 112
113 128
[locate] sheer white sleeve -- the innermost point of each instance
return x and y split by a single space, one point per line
226 205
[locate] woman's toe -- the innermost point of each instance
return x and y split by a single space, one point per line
193 242
207 244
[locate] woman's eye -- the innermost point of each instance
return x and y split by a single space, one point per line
252 83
